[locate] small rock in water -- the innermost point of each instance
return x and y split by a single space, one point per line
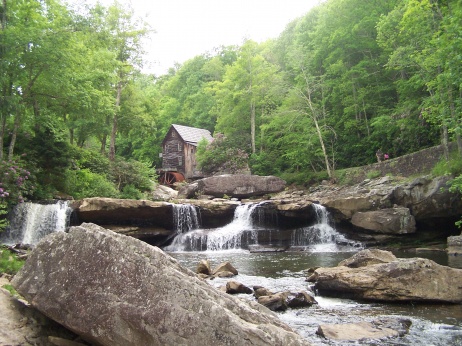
259 291
204 267
275 302
300 299
225 266
234 287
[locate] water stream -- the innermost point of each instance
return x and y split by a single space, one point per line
30 222
432 324
250 225
322 246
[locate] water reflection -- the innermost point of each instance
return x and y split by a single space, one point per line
437 324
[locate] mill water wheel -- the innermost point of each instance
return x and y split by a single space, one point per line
169 178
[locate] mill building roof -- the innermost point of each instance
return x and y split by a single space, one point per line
192 135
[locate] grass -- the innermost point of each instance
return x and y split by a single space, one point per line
11 289
9 262
373 174
453 166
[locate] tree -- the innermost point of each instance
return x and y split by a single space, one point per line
121 34
247 87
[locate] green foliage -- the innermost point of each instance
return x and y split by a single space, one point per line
51 153
3 216
131 192
451 167
325 95
304 178
373 174
91 160
9 263
84 183
218 156
130 172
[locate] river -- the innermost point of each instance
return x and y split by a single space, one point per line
321 245
435 324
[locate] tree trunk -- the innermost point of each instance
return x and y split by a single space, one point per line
114 123
14 135
103 144
323 147
453 118
252 125
71 136
445 141
2 134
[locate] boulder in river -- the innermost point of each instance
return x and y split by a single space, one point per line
116 290
361 331
409 279
367 257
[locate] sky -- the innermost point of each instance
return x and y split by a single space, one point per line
186 28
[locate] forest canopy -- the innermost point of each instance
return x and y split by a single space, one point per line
79 116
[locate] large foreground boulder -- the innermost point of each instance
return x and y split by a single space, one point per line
116 290
411 279
237 185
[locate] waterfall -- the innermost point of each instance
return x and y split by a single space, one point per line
321 237
30 222
250 229
185 218
242 231
231 235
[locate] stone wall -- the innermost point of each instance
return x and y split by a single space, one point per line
418 163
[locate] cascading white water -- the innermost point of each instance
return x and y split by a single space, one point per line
245 229
185 218
30 222
321 237
228 237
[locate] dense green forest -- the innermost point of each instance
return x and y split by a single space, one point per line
79 117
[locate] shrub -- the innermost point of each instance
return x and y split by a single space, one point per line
16 182
131 192
91 160
220 156
130 172
84 183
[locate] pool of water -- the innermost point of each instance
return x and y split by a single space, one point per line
435 324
